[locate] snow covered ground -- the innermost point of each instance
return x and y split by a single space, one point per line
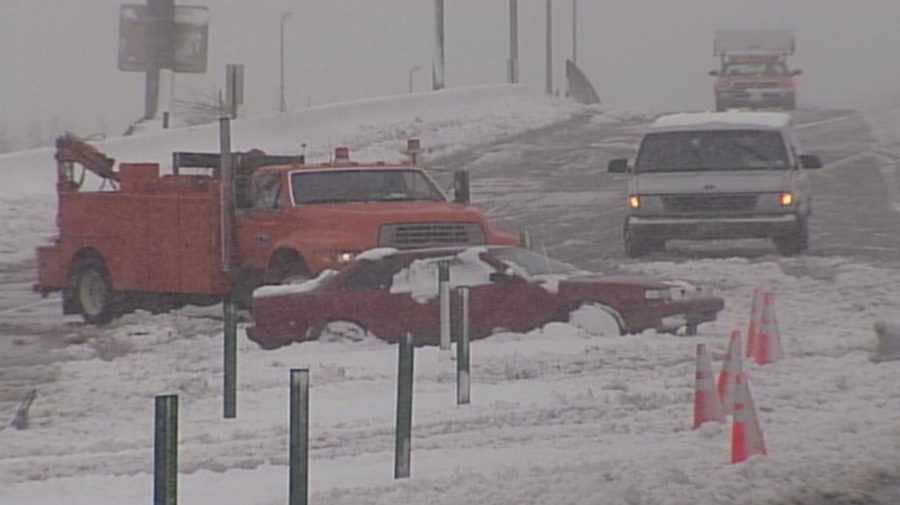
569 414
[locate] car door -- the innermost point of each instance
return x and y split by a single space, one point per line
365 298
509 302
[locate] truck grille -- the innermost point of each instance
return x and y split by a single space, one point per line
415 235
709 203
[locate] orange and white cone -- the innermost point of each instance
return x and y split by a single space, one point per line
753 327
731 367
768 347
707 405
746 435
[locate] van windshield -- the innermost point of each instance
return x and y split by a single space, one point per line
688 151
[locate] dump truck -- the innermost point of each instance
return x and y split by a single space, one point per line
753 70
146 240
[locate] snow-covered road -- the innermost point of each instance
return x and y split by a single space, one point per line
568 414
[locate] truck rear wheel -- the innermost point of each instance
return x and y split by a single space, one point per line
92 292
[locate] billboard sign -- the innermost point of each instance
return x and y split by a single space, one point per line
140 34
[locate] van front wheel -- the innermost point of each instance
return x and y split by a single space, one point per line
796 242
637 246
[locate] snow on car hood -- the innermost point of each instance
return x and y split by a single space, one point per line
290 289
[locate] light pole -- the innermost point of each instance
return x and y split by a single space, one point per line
412 70
282 105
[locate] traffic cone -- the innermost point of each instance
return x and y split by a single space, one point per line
753 327
746 436
707 405
730 368
768 347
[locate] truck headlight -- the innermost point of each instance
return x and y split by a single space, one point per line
337 257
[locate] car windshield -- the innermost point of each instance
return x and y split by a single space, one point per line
532 263
712 150
339 186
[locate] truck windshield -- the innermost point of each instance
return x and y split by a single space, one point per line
382 185
712 150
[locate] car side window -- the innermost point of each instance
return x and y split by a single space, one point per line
378 275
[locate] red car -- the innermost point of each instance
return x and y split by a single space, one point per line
386 292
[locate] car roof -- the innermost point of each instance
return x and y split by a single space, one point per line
721 121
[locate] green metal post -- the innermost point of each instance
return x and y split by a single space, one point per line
298 487
404 407
165 451
444 303
230 386
462 348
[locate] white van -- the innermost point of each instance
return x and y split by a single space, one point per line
716 175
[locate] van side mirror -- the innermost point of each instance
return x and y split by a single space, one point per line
796 72
618 166
461 187
810 161
714 73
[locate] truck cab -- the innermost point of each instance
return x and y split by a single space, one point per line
299 220
718 175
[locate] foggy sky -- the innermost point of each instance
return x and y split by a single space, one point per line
58 57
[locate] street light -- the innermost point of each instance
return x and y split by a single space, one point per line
282 105
412 70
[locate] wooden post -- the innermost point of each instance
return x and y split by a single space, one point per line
165 463
403 449
298 486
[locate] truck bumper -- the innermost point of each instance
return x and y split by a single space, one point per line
713 228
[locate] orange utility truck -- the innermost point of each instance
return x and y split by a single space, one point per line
754 72
151 241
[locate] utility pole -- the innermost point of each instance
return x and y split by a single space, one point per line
574 31
549 49
437 69
282 106
513 65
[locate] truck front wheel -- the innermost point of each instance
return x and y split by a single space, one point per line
286 267
92 292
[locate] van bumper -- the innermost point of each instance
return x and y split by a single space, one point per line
713 228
